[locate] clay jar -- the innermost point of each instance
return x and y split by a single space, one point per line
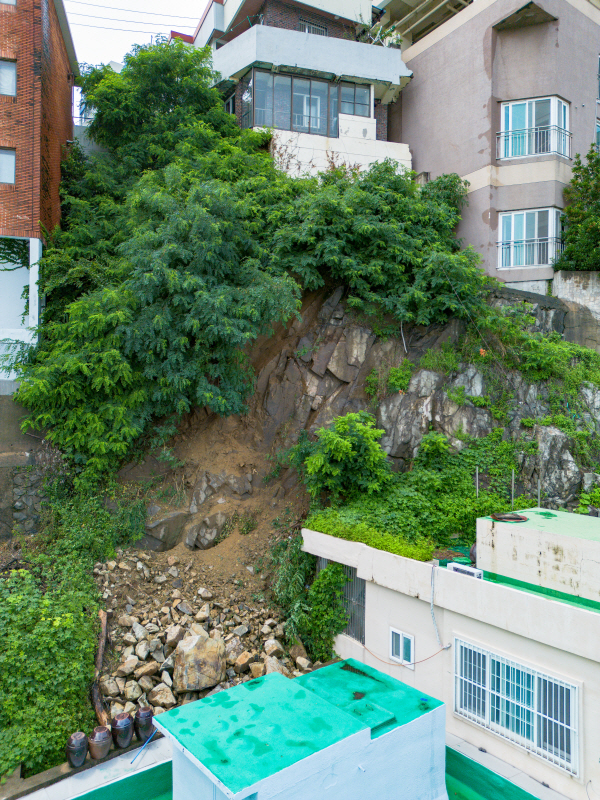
76 749
122 730
99 742
143 723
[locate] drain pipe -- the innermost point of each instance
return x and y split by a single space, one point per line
437 634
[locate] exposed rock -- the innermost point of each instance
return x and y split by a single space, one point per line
273 648
164 533
257 669
109 687
142 650
243 661
304 664
139 631
202 534
132 690
297 650
148 669
272 664
553 464
185 608
199 664
127 667
205 594
162 696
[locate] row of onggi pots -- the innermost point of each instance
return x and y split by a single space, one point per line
120 732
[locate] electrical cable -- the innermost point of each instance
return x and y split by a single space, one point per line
127 30
116 19
437 635
132 10
397 664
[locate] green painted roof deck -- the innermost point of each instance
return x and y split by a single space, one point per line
562 523
382 702
465 780
260 727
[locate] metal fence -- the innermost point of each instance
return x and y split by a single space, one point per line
354 601
533 141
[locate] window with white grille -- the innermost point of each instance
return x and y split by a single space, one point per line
310 27
402 648
519 703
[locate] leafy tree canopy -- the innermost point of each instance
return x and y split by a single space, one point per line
182 242
581 218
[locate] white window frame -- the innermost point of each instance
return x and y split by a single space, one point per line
310 27
524 249
8 2
534 140
13 64
483 694
14 155
410 664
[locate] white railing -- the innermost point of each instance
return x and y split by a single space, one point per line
533 141
529 252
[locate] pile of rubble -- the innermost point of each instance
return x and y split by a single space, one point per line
174 649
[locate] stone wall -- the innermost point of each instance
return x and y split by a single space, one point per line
579 287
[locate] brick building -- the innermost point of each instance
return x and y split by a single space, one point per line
301 69
37 71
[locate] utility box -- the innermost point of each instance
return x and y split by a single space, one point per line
344 731
554 550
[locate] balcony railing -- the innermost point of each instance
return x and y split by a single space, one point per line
529 252
533 142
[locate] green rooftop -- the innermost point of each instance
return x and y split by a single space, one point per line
562 523
262 726
381 702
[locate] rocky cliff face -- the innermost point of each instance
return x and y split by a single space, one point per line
316 370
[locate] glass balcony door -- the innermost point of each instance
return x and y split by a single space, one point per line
534 127
529 238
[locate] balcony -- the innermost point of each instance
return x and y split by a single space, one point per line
545 139
295 52
529 252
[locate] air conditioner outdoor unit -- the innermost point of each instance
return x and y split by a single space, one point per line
464 570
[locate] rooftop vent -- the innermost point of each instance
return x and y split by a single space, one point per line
464 570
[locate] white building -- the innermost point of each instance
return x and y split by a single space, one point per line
513 651
298 68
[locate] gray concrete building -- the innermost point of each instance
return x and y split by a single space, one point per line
504 93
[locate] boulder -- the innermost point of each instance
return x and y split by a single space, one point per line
243 661
109 687
142 650
297 650
304 664
174 635
150 668
202 534
199 664
127 667
139 631
257 669
273 648
272 664
132 690
165 532
162 696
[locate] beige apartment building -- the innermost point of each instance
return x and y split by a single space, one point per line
504 93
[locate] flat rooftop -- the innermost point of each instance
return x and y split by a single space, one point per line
260 727
562 523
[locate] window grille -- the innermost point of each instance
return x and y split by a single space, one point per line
310 27
531 709
354 601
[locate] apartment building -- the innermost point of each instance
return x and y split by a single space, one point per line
298 68
504 93
37 70
511 647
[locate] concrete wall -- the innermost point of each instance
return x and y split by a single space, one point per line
306 52
450 112
579 287
348 9
301 153
555 638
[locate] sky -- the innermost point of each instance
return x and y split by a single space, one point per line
105 30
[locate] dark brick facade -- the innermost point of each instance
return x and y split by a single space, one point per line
381 119
37 122
279 14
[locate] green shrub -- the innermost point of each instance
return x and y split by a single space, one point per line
326 617
588 499
399 377
444 359
332 522
48 627
345 460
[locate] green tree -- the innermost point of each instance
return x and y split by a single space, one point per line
581 218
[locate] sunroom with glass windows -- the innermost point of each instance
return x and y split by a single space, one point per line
300 103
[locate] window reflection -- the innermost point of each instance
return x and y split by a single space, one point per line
305 105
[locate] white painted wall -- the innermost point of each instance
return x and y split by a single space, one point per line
13 326
214 21
302 153
559 562
558 639
408 763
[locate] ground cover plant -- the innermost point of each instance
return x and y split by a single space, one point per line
49 627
